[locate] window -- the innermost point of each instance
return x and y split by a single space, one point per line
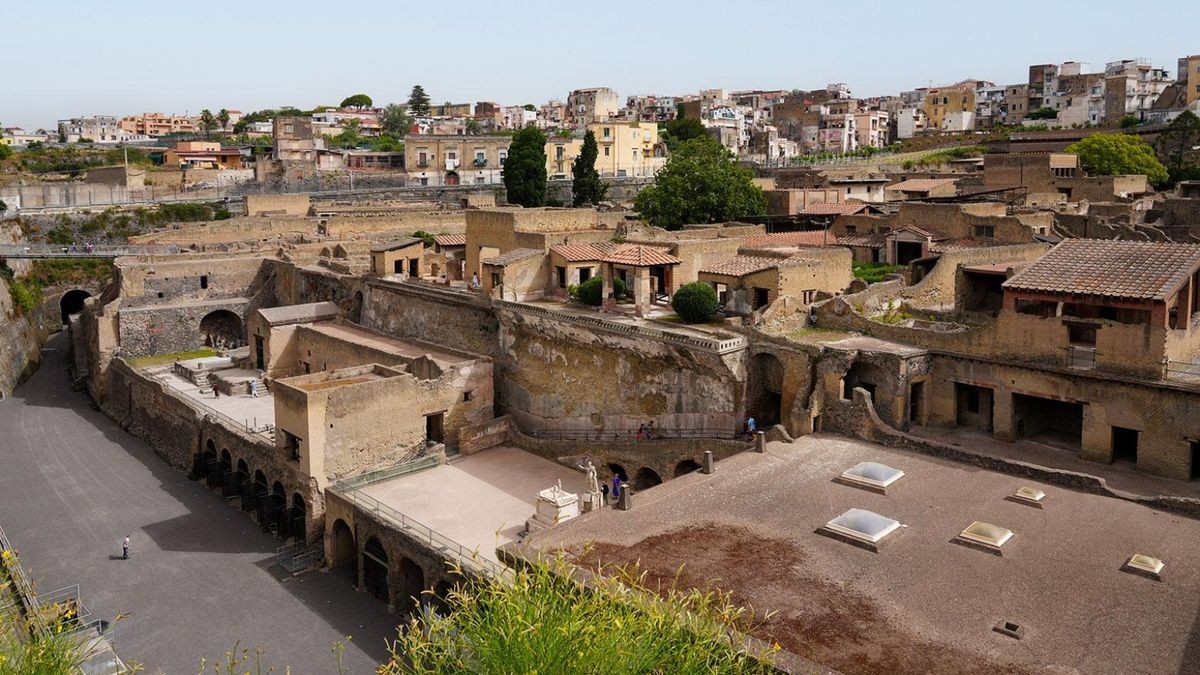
203 281
606 149
607 132
466 396
451 155
985 231
495 279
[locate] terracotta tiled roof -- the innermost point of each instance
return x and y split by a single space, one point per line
637 255
515 255
1142 270
583 252
833 209
451 240
741 265
394 245
808 238
920 184
864 240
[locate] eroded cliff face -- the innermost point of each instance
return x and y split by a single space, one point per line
20 338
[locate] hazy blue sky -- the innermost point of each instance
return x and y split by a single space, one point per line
62 58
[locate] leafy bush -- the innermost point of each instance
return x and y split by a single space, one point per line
874 272
591 292
541 621
426 238
1118 155
695 302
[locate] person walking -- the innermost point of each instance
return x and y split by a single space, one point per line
253 389
125 548
604 492
616 487
650 431
751 426
641 435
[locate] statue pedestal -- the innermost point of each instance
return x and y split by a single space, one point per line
554 506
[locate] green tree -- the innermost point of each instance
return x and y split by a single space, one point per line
208 122
473 127
1175 146
1118 155
349 137
701 183
695 302
682 129
1043 114
418 101
223 119
586 186
1128 122
387 143
5 151
530 107
395 120
525 168
359 101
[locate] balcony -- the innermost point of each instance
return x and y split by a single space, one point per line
480 161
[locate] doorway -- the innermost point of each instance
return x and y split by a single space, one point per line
434 433
259 362
414 267
398 267
1195 475
973 407
1051 421
916 396
375 569
1124 445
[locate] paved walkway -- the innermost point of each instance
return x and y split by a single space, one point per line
72 484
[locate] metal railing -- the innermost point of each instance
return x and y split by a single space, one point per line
632 434
87 251
299 556
249 425
466 558
401 469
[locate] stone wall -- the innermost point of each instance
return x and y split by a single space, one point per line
456 320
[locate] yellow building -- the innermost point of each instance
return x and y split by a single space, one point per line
947 108
1189 77
622 149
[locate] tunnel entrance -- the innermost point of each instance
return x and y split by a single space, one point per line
72 303
222 329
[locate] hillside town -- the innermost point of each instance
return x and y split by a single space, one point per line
744 381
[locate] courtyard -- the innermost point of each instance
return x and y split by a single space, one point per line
922 603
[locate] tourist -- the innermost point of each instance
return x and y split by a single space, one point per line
641 432
125 548
216 392
650 431
475 281
604 493
751 426
616 488
253 389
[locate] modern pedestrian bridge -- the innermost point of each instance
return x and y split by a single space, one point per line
47 251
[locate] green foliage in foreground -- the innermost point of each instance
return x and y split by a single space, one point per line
26 290
541 622
695 302
36 644
874 272
944 156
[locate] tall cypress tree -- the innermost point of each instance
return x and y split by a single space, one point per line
525 168
586 186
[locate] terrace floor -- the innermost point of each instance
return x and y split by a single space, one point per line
922 604
480 501
241 408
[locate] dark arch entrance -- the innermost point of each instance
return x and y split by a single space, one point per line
451 178
227 480
876 381
412 583
356 308
766 396
343 554
72 303
262 497
685 467
441 596
646 478
619 471
277 509
206 462
222 329
295 520
245 487
375 569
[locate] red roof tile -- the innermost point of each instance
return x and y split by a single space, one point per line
451 240
637 255
1142 270
741 265
583 252
806 238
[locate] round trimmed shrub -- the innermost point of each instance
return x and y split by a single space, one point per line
591 292
695 302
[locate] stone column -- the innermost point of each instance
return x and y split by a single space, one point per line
641 290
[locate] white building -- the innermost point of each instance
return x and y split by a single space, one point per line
910 122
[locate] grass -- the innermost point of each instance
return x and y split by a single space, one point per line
874 272
541 621
26 290
161 359
39 643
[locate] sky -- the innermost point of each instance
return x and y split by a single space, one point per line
69 58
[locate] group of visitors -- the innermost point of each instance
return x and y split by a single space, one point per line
646 431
